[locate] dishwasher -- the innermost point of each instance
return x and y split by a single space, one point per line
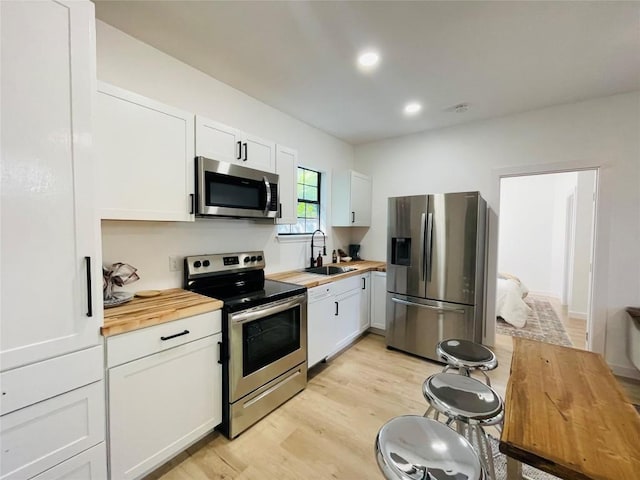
321 331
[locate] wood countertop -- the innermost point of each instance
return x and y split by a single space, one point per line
172 304
311 280
566 414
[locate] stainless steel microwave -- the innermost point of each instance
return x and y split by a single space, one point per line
228 190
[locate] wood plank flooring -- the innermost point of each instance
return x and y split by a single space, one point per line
328 430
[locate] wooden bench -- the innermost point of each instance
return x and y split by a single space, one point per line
566 414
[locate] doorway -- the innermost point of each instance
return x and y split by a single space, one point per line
545 255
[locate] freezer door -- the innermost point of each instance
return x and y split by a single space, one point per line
455 247
416 325
406 229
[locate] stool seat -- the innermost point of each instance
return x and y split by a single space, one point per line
461 397
411 447
465 354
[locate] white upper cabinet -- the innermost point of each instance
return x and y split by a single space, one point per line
351 199
145 157
287 170
51 273
221 142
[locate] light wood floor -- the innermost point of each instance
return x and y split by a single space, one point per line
576 328
328 430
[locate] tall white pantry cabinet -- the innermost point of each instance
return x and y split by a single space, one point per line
52 422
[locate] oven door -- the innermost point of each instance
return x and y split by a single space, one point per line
265 342
225 189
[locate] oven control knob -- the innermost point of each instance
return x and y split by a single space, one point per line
206 263
253 259
197 264
246 259
259 258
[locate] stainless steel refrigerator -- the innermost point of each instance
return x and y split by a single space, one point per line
435 270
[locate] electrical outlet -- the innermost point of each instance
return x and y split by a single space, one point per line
174 263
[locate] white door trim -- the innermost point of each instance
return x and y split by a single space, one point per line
598 307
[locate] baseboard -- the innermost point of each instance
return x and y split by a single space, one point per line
578 315
624 371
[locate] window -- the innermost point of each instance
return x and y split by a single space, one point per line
308 204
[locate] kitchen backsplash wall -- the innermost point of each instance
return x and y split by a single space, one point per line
148 246
133 65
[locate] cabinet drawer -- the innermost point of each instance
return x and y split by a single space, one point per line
88 465
345 285
43 435
39 381
147 341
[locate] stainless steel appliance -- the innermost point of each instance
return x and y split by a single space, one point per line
264 334
435 270
229 190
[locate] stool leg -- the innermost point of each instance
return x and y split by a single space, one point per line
492 471
446 368
488 380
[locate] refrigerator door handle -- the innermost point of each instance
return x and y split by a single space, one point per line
423 255
430 307
429 245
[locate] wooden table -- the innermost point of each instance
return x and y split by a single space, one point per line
566 414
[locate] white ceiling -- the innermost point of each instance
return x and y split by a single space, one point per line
299 57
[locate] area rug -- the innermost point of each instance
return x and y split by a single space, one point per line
500 465
542 324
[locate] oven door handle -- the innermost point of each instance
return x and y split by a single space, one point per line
267 205
253 314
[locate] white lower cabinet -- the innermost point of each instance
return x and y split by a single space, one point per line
45 434
365 300
163 402
88 465
378 300
321 334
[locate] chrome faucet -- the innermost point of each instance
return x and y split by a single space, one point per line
312 263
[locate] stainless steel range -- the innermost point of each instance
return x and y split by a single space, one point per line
264 334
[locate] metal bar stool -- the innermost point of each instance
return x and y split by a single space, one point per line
466 356
411 447
470 405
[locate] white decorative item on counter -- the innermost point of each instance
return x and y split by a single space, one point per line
119 274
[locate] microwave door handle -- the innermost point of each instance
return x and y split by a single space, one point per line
268 196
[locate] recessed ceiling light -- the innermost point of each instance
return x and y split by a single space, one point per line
412 108
368 59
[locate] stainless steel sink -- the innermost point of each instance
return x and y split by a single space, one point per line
329 270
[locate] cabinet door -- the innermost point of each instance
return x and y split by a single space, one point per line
49 229
360 200
321 336
217 141
348 318
162 403
144 151
365 294
258 153
378 299
287 170
42 435
88 465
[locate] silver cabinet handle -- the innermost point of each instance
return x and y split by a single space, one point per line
430 307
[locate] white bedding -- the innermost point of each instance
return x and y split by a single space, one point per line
509 303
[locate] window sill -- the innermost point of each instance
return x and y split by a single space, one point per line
306 238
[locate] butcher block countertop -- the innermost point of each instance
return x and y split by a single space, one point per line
172 304
311 280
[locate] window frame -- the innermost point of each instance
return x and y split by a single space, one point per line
299 200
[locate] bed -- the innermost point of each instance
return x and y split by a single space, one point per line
510 305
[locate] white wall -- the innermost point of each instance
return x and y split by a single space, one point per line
531 241
600 132
128 63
